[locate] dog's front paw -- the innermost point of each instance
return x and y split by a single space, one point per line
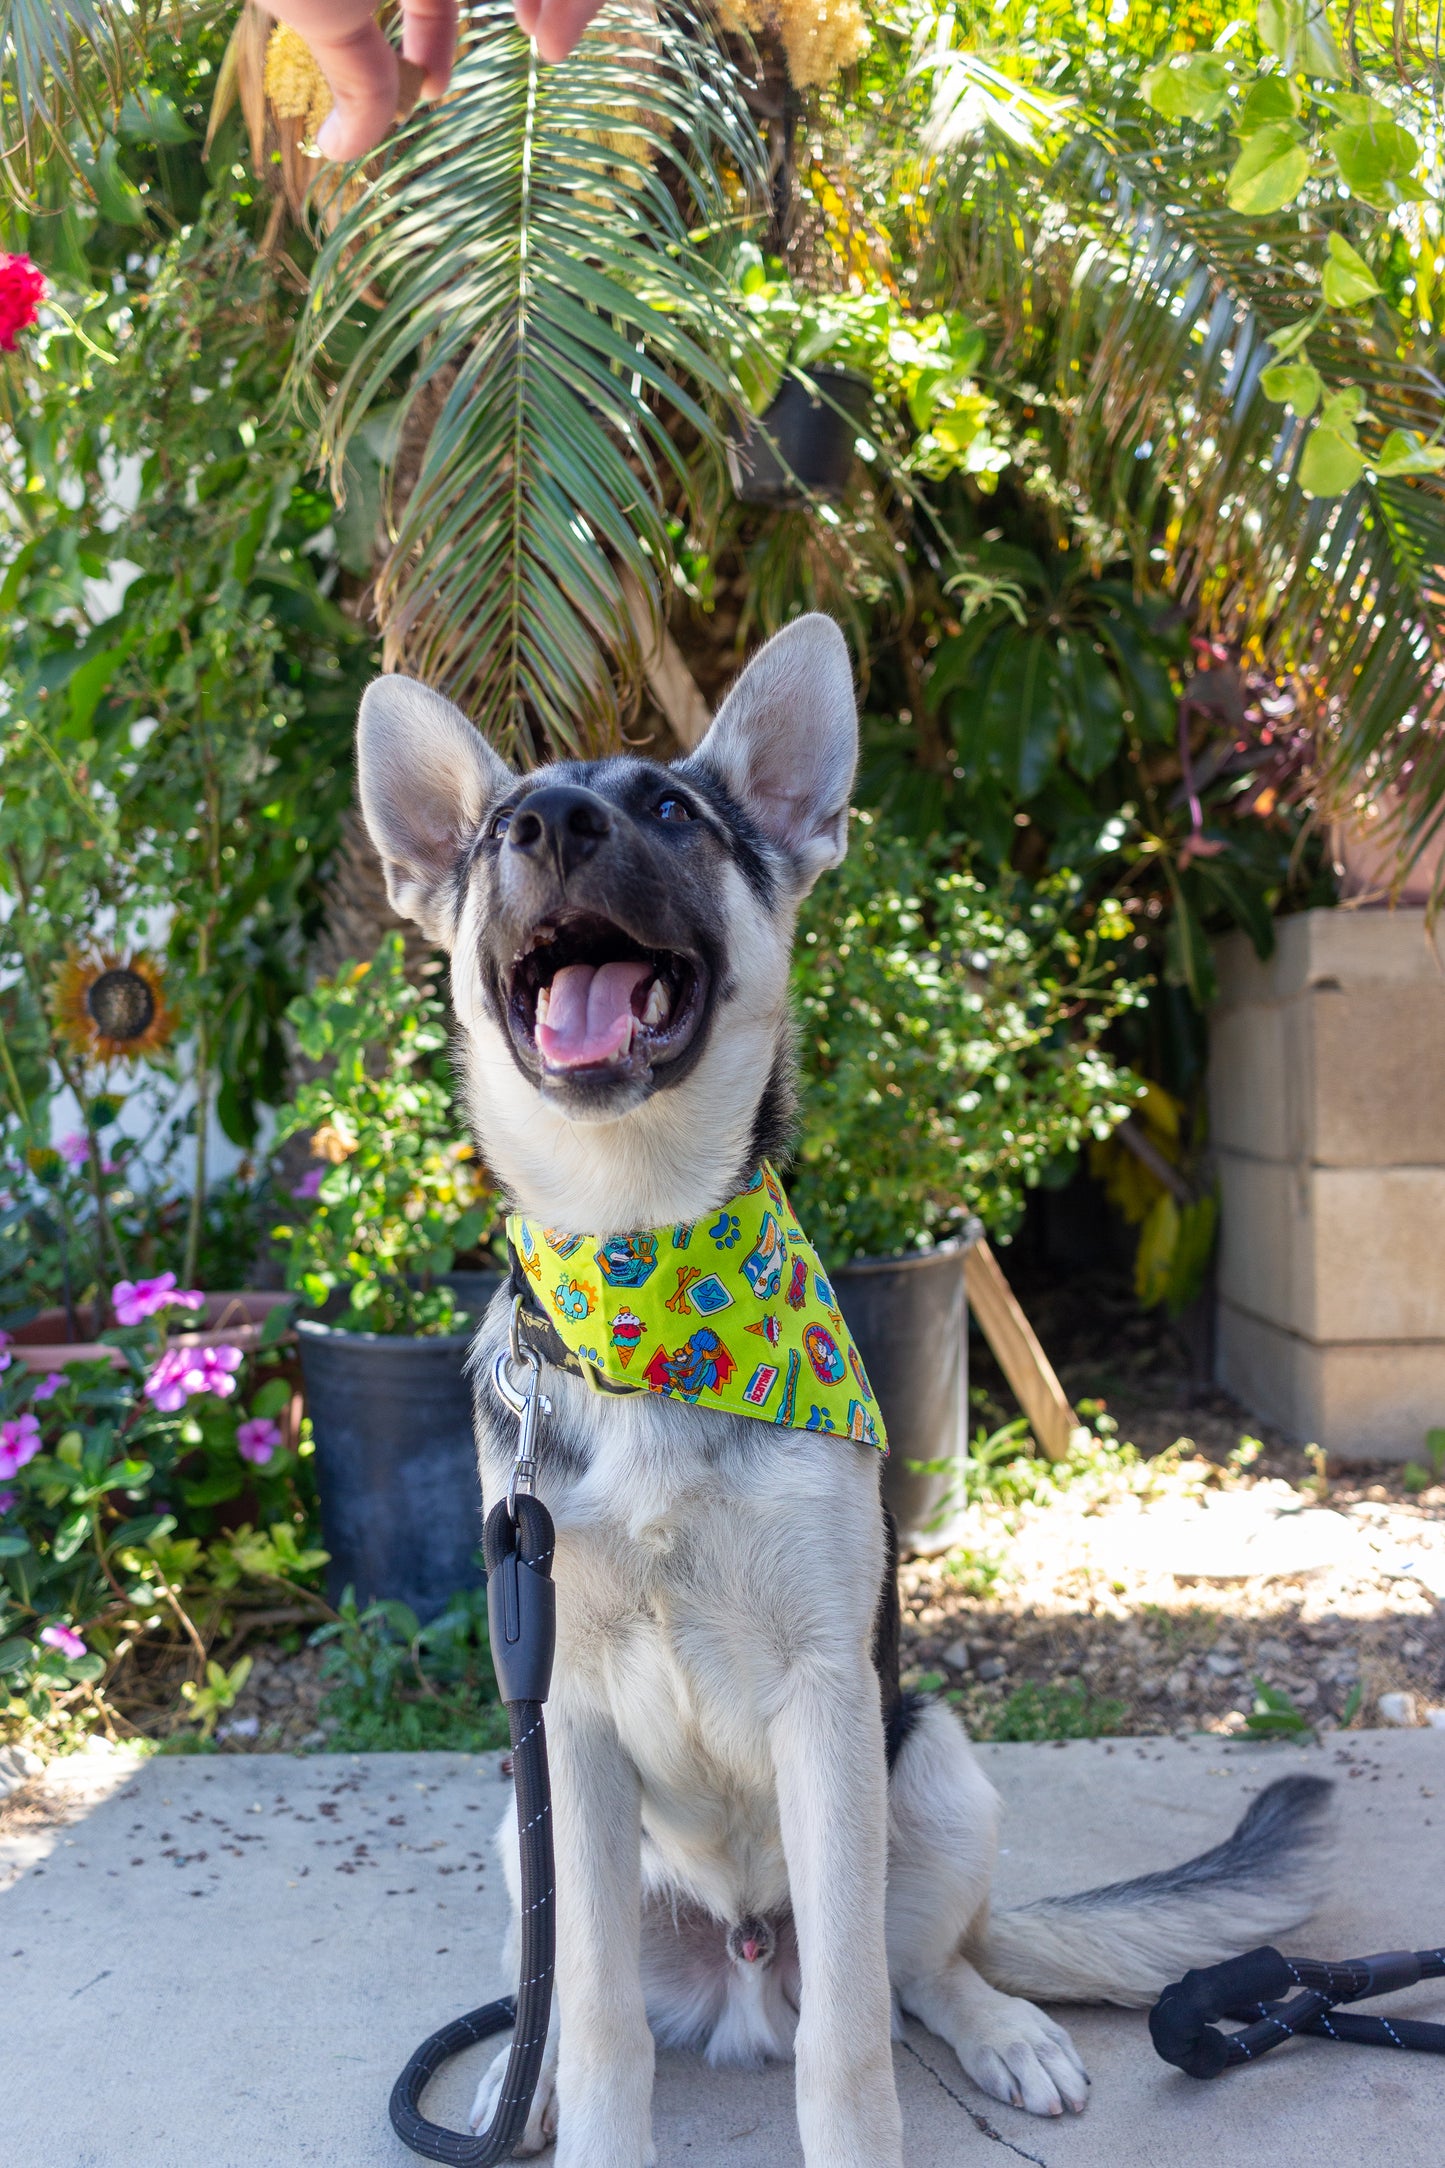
1018 2054
541 2123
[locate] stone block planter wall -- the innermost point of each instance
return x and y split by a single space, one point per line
1327 1098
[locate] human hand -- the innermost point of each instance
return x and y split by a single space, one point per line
359 61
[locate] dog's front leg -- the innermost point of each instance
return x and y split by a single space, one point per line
832 1800
605 2063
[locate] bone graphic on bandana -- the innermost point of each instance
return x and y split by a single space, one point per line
677 1302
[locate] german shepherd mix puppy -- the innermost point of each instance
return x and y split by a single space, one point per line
762 1849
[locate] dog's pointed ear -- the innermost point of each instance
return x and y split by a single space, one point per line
785 744
426 775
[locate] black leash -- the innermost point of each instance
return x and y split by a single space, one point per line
1250 1991
517 1543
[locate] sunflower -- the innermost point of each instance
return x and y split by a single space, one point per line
109 1010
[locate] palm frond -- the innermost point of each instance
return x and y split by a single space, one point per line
1147 305
64 67
543 297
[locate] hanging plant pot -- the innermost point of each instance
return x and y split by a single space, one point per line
396 1462
803 444
909 1316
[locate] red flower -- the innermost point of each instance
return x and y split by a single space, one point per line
22 289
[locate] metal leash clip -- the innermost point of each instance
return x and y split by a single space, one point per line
527 1405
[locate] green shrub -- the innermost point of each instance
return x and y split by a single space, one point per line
951 1042
397 1190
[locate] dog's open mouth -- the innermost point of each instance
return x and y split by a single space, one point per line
589 1002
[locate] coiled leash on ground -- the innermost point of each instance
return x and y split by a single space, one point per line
521 1612
1249 1990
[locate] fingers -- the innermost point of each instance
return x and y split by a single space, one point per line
555 24
360 64
429 37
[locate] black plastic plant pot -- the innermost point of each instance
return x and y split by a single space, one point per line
396 1463
909 1316
803 445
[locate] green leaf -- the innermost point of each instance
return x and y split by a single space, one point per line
1402 453
149 116
1332 461
14 1545
70 1535
1187 86
82 1670
1269 172
1375 159
1272 98
13 1654
1298 33
1348 279
273 1397
1294 385
117 197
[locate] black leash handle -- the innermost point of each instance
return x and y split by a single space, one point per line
1252 1989
521 1612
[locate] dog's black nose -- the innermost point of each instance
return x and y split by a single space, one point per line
560 822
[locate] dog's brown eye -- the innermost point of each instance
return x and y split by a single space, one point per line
673 809
501 822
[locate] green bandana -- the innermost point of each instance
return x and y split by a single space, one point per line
734 1312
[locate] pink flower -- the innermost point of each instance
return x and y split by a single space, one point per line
309 1184
7 1500
257 1440
6 1358
62 1638
22 289
74 1148
49 1385
184 1371
136 1300
19 1443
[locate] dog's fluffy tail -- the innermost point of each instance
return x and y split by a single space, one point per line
1126 1942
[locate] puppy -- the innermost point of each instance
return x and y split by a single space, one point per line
762 1848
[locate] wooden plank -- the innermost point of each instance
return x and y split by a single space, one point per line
1020 1357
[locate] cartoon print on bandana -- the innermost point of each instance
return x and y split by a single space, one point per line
823 1354
762 1268
628 1260
562 1245
788 1404
861 1425
703 1365
760 1384
572 1299
627 1331
855 1364
630 1324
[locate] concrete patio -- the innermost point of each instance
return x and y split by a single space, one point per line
222 1962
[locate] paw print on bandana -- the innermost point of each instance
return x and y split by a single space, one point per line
725 1231
820 1419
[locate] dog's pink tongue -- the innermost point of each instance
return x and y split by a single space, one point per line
589 1013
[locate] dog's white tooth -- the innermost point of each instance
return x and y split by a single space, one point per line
657 1006
544 1003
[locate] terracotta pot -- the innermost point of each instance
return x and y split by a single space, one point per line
234 1320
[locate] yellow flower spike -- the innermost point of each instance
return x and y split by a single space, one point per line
295 87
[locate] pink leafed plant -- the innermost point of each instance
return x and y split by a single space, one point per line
63 1638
